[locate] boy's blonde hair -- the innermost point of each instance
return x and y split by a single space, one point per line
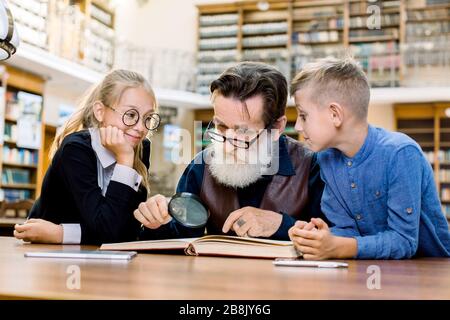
339 80
108 91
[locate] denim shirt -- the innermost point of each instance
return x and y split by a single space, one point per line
385 197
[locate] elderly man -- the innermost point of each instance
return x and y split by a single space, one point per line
255 181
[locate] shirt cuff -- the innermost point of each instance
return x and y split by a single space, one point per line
366 248
282 233
127 176
71 233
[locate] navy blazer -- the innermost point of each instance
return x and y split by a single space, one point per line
70 194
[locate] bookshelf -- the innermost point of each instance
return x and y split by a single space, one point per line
429 125
290 33
375 43
20 163
100 35
266 34
217 43
30 17
78 30
427 38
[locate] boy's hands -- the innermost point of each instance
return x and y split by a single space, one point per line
39 231
154 212
114 140
318 243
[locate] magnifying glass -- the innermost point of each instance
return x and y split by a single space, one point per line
187 209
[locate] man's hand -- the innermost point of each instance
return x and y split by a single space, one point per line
319 243
39 231
253 222
153 213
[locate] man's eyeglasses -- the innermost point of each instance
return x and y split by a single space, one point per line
132 116
211 131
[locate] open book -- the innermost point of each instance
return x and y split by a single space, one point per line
215 245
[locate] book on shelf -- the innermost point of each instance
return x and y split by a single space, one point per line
317 12
15 176
264 28
393 32
444 175
102 15
375 48
218 31
386 20
415 29
218 19
217 55
3 124
13 195
262 41
414 15
265 54
444 155
318 37
319 24
218 43
20 156
215 245
445 194
10 132
361 7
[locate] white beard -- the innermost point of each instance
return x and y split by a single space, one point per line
246 169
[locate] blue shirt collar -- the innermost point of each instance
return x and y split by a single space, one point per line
366 149
105 156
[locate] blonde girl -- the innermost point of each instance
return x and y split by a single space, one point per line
99 169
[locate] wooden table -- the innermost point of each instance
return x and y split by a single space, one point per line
157 276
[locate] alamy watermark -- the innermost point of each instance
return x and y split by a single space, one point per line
374 280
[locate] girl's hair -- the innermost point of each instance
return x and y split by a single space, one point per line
109 92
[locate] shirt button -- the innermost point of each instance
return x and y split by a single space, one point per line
377 193
349 163
136 184
358 217
353 185
409 210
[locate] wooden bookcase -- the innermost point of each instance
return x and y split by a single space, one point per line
31 165
317 31
426 35
78 30
429 125
291 33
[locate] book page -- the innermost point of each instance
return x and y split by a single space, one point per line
166 244
242 249
242 240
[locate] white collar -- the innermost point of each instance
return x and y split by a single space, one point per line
105 156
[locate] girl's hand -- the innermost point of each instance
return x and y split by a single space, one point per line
113 139
154 212
39 231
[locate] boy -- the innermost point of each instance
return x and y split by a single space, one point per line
379 191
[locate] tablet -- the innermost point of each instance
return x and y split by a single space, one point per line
83 254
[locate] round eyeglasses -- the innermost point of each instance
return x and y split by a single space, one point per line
238 143
132 116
